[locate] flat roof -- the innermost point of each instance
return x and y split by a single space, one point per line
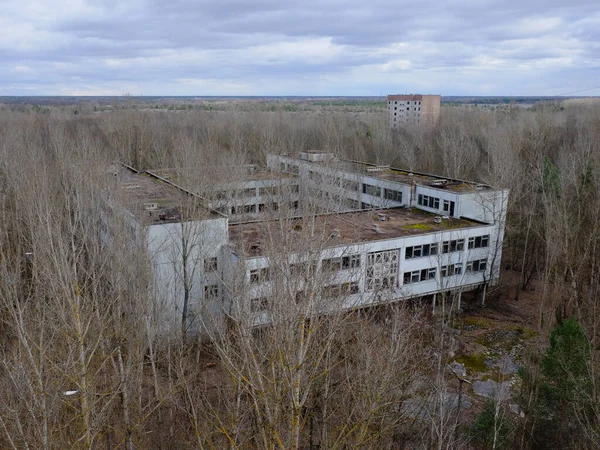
219 175
339 229
410 97
397 175
153 201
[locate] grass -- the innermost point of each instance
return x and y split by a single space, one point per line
419 226
473 363
472 323
505 338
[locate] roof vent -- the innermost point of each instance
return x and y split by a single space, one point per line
479 187
382 217
170 214
376 228
250 169
336 233
315 156
151 206
438 183
437 219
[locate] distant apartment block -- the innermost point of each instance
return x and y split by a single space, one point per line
414 109
369 234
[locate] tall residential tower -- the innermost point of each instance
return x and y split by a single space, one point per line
413 108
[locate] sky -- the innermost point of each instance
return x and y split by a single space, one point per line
308 47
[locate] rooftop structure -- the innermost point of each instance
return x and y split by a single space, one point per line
388 173
413 108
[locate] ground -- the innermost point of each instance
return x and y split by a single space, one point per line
492 341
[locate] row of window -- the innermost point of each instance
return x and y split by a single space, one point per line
479 241
340 263
428 201
369 189
434 202
302 268
252 209
419 275
445 271
385 282
293 168
260 304
455 245
380 265
415 102
340 290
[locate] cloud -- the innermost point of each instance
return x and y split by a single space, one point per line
315 47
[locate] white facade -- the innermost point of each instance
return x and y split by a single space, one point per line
186 259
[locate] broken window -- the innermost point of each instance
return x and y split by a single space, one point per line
382 268
210 264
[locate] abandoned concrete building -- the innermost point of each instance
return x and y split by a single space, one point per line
321 231
413 108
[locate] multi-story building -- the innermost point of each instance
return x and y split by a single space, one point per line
357 235
413 108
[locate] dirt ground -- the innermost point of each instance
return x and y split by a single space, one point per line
492 341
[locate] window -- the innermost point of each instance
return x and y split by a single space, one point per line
390 194
275 206
211 292
210 265
331 264
371 190
478 265
351 185
259 275
267 190
350 262
352 204
382 268
429 202
339 290
295 188
456 245
298 269
418 276
248 209
450 270
250 192
446 205
479 241
282 167
421 250
259 304
294 204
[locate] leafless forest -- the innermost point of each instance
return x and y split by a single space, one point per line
80 364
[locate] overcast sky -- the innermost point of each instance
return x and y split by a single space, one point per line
307 47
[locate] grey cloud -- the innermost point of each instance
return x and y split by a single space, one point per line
219 40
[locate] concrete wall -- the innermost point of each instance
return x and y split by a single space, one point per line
166 242
465 281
